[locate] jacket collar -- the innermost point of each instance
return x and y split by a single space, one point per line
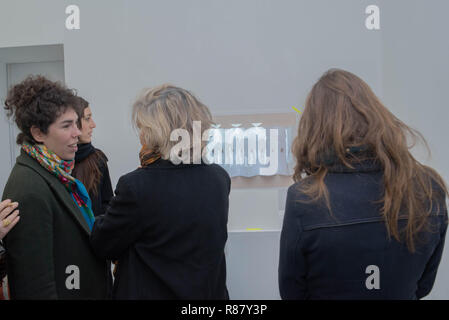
368 165
59 190
161 163
362 159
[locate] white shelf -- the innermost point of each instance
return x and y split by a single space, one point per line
254 231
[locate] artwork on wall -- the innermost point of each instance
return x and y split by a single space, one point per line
252 151
255 149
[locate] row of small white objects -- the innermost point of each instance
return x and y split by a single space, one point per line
255 161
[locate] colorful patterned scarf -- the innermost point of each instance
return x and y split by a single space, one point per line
147 156
62 169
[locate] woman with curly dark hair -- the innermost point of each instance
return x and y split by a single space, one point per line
48 252
91 163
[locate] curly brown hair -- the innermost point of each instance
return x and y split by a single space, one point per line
37 101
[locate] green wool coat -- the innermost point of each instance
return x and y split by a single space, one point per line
48 251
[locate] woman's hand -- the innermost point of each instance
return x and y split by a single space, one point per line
8 220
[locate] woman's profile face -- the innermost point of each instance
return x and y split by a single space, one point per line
62 135
87 126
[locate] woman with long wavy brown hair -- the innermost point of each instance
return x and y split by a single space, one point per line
365 219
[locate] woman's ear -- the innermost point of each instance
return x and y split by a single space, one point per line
37 134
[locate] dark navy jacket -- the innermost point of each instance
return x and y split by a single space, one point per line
167 227
332 258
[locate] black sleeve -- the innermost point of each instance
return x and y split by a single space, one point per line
115 231
106 190
2 261
427 280
292 267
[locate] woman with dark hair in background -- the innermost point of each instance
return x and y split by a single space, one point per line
365 219
48 253
91 163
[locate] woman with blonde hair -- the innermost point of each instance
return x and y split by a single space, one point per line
365 219
166 225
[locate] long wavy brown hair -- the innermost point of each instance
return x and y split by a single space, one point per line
89 173
341 112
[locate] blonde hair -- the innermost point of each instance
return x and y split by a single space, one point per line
160 110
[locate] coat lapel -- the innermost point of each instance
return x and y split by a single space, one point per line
58 188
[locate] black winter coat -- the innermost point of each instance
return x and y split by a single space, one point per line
167 227
349 256
2 261
48 252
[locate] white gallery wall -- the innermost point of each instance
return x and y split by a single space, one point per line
415 81
241 57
